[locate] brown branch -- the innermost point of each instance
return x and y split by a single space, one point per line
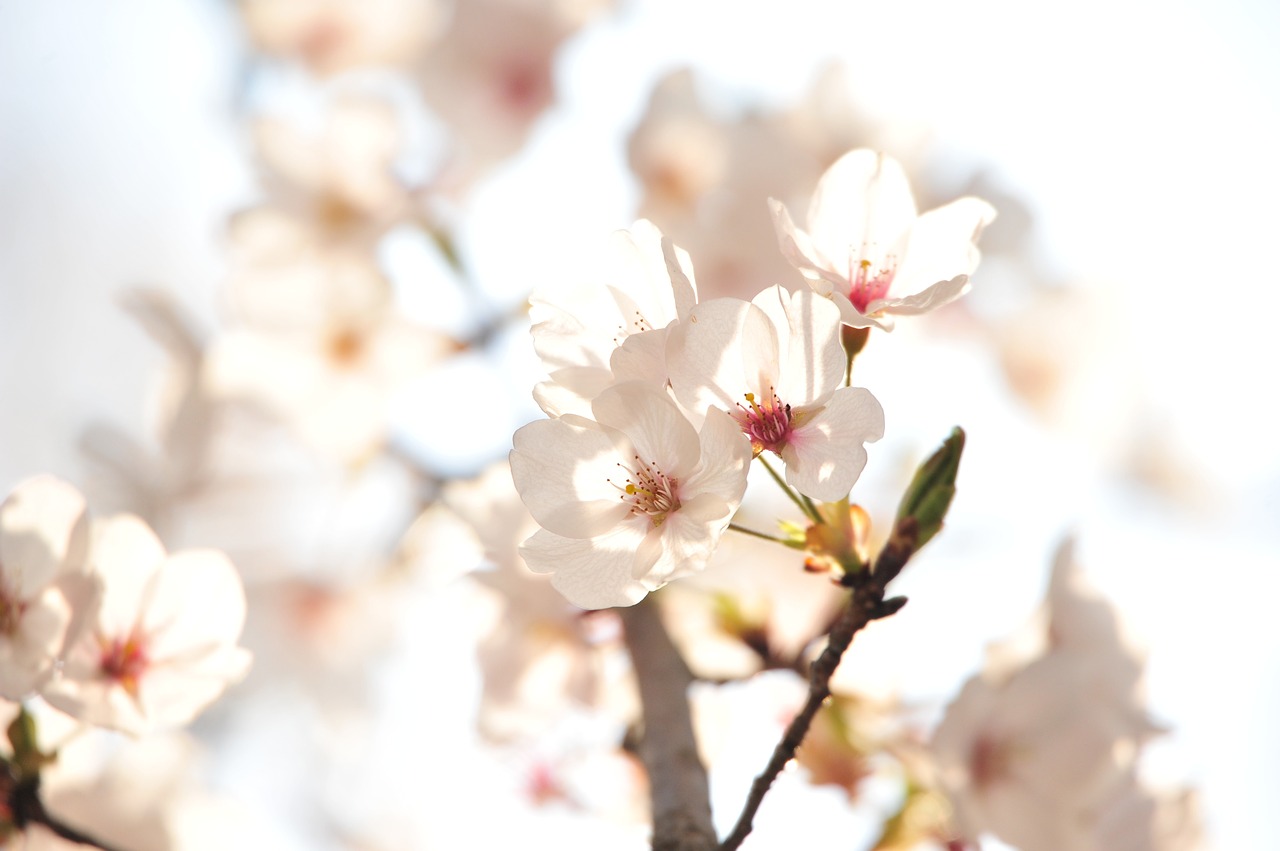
678 791
28 809
866 603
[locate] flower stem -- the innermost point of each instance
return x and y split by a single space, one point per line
802 502
753 533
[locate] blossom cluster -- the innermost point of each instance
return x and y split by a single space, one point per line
658 401
96 617
1042 747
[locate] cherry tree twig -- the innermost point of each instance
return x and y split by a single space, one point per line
678 790
866 603
28 809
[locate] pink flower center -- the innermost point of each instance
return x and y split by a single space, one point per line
869 277
124 661
649 491
769 424
988 761
11 609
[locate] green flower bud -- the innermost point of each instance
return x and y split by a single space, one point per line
928 497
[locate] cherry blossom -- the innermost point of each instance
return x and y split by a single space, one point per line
643 284
1031 751
43 585
864 238
331 36
162 644
628 501
774 365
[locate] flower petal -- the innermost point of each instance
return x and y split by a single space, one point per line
42 532
594 573
562 469
826 454
862 199
942 244
943 292
653 424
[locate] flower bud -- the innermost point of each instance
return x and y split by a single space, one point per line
928 497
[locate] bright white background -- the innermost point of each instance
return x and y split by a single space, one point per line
1143 134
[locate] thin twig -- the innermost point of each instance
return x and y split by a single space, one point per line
678 790
752 532
809 510
866 603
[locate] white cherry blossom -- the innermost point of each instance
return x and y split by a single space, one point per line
630 500
864 238
643 284
43 587
162 645
775 365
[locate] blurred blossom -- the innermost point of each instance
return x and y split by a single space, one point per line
490 78
704 170
146 795
1033 748
339 178
753 606
331 36
45 589
539 657
318 338
162 644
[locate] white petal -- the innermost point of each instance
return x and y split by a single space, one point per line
196 605
704 359
943 292
562 469
942 244
570 390
689 537
726 452
850 316
127 555
808 328
652 423
594 573
641 357
799 251
862 199
42 532
826 455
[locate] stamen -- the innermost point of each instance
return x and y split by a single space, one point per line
869 279
124 661
769 425
648 490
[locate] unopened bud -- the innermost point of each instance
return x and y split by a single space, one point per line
929 495
27 758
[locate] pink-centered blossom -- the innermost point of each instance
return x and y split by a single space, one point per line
629 500
775 365
864 239
43 587
162 644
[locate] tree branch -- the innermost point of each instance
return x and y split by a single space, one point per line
678 791
866 603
